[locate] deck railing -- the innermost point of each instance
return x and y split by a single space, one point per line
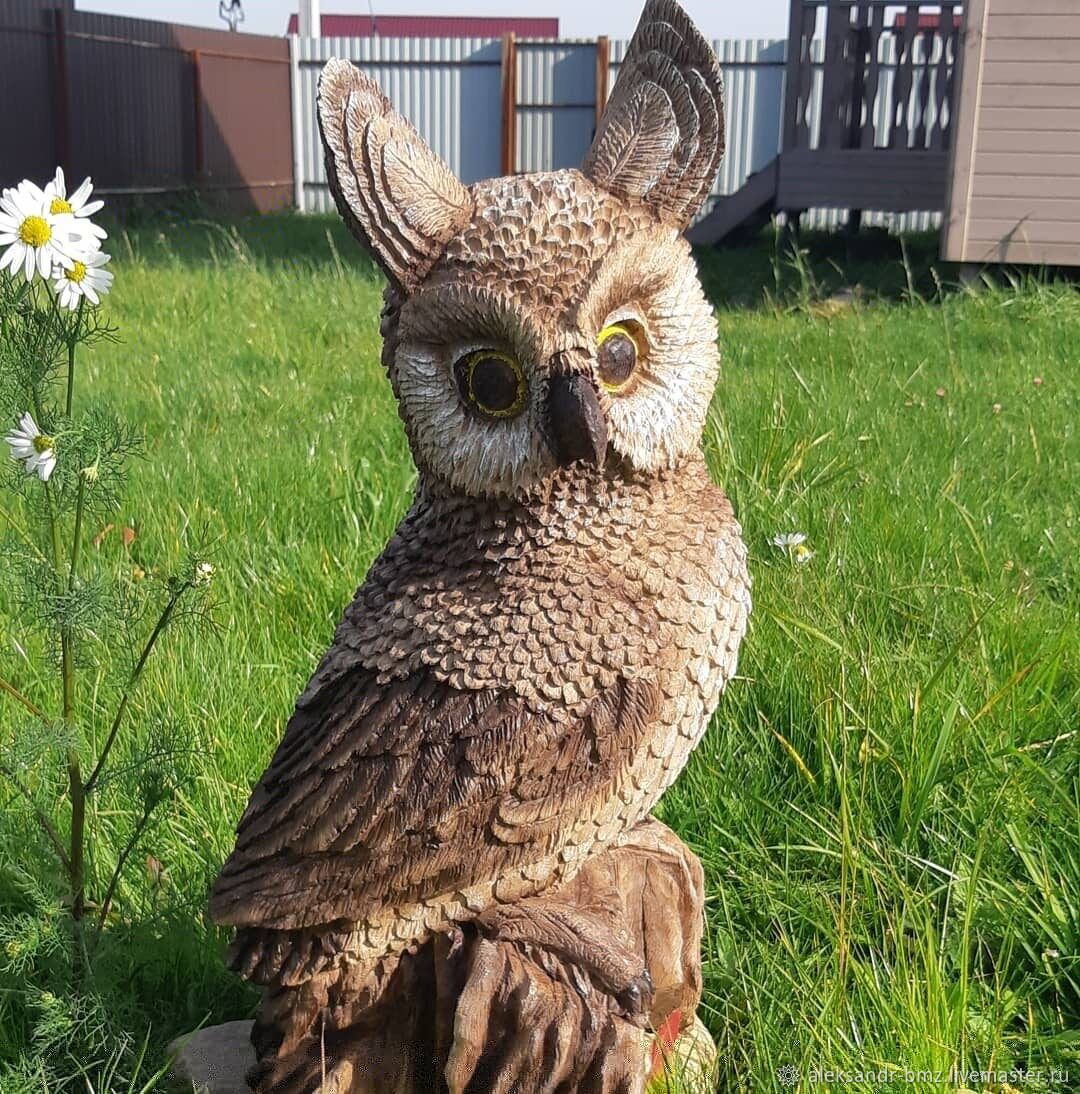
882 72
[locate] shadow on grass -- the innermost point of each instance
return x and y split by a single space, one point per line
155 975
771 270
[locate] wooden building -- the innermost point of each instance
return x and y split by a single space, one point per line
971 110
868 95
1014 189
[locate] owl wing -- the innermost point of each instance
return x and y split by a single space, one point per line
386 794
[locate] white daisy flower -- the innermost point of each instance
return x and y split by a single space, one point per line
36 450
77 205
786 541
33 237
85 276
802 554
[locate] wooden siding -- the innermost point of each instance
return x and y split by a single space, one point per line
878 178
1014 186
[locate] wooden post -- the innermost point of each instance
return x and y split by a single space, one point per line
603 67
793 69
509 105
63 93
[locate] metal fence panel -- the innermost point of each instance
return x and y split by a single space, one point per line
134 127
447 87
556 103
450 90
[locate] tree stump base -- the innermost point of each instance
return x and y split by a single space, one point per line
585 989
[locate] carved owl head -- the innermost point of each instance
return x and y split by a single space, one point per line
536 321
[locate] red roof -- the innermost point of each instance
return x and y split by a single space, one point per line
431 26
927 20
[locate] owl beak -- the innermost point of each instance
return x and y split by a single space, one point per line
575 420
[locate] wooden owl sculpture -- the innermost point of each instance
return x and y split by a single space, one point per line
448 877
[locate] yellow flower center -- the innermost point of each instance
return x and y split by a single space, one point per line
43 444
59 205
35 231
77 272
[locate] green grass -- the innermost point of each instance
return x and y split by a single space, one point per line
887 802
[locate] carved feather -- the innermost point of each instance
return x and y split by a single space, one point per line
633 155
635 142
352 814
396 195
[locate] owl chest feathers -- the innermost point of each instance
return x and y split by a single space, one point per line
554 597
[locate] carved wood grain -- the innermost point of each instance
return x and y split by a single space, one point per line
472 1013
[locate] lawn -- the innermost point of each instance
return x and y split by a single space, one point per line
887 804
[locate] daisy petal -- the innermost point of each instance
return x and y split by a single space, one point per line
82 193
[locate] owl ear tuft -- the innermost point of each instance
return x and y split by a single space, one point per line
661 136
396 195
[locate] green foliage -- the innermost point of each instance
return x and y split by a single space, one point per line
887 805
88 629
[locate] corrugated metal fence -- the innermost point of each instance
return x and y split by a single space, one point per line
451 90
447 87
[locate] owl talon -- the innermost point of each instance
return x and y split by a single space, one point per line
636 999
591 951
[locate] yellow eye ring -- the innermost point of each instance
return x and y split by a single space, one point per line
618 363
492 383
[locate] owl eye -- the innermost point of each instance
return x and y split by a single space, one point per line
618 349
492 383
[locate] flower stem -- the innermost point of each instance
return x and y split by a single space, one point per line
133 679
75 783
71 344
67 665
76 542
110 891
18 696
76 871
46 824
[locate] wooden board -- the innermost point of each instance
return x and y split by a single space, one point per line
1027 230
878 179
1031 94
1032 49
1065 211
1026 188
1023 252
1035 24
1060 119
1054 164
1033 143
